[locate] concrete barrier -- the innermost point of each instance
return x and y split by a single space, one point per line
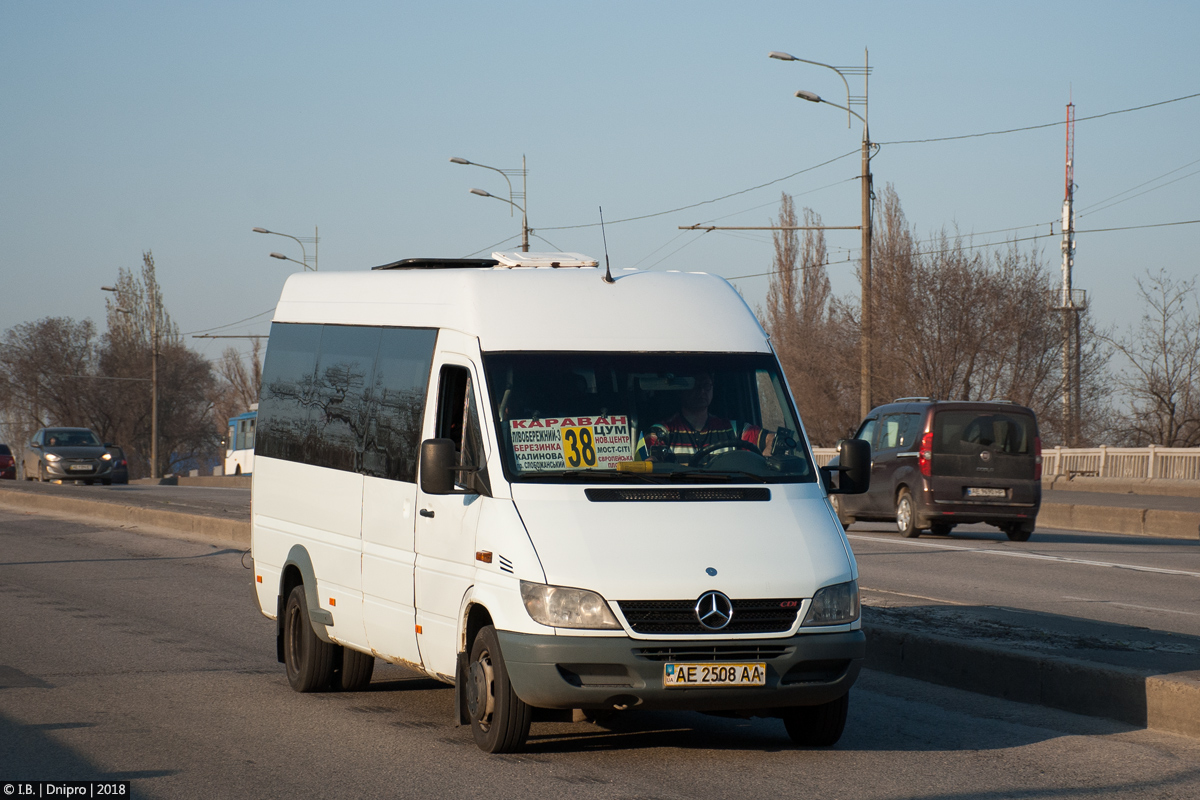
1115 519
230 530
1164 702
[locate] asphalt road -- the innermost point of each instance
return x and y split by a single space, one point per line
130 657
205 500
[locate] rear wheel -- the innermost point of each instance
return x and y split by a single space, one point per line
817 726
308 658
906 518
499 719
1018 531
352 670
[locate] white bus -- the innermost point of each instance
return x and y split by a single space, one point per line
553 490
239 444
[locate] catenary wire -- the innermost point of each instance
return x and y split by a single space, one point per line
1038 127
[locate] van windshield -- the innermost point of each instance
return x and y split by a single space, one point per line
645 418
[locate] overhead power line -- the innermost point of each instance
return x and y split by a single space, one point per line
1046 125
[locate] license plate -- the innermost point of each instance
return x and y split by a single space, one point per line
979 492
80 467
681 675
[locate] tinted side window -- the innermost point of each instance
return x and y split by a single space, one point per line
288 390
890 429
398 403
340 412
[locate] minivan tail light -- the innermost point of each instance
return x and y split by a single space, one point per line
1037 458
925 455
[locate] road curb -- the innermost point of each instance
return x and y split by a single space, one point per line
1117 519
230 530
1164 702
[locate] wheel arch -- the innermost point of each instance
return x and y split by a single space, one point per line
298 570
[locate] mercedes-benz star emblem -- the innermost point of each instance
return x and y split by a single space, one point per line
714 610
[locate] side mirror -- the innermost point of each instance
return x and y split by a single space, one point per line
854 468
437 466
35 445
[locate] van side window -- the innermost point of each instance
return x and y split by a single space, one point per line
897 430
344 371
458 417
288 384
398 403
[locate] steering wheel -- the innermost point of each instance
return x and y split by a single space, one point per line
709 449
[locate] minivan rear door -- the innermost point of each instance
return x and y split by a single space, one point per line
984 456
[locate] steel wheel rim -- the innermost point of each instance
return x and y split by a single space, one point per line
903 514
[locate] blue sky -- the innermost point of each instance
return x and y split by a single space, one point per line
178 127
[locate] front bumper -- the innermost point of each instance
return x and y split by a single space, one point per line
591 672
61 470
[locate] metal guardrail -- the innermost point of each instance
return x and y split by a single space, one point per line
1171 463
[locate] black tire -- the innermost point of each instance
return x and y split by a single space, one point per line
940 528
817 726
352 670
309 659
1018 531
906 515
499 719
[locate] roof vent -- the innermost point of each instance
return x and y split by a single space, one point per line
544 260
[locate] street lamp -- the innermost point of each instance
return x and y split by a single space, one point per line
315 240
153 374
282 257
866 323
511 195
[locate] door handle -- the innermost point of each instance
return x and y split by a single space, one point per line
427 512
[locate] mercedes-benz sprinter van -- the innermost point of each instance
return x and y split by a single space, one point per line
555 489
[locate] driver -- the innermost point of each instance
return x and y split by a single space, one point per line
693 428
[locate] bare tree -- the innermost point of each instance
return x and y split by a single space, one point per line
46 370
1162 357
798 318
237 386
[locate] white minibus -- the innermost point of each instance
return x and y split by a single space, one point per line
566 493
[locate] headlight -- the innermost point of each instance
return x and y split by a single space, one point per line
106 457
53 457
562 607
834 605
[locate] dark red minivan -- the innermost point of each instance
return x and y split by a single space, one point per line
936 464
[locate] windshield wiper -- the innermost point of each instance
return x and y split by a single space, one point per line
592 474
722 476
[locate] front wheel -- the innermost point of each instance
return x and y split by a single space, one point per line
906 518
817 726
308 658
499 719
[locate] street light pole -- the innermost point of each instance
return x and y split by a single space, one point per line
524 173
866 324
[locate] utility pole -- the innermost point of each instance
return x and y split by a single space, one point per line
1071 303
154 379
864 401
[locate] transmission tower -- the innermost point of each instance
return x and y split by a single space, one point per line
1071 303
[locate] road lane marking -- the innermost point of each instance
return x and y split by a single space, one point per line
1131 605
916 596
1017 554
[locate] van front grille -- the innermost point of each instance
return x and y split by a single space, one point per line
679 616
717 652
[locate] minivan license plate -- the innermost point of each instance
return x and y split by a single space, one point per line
978 492
677 675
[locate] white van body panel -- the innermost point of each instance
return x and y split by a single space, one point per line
388 564
785 547
536 309
321 510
